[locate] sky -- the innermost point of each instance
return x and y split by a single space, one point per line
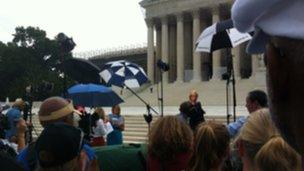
93 24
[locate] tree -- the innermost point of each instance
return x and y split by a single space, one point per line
30 59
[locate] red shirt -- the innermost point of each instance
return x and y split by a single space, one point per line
179 163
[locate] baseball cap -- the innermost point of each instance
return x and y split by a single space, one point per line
58 144
268 18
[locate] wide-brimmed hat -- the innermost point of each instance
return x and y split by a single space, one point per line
268 18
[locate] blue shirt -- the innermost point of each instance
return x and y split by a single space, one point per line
235 127
115 137
22 156
13 115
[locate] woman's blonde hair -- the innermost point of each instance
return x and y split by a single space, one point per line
101 113
210 146
264 146
277 155
168 137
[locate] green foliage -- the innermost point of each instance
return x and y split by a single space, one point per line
23 62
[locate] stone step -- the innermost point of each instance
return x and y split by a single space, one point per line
135 134
131 129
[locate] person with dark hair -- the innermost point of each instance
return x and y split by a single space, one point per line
211 147
278 27
8 163
170 145
184 112
256 99
59 148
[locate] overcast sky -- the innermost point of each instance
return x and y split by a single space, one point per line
93 24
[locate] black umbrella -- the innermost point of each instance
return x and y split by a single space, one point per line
223 35
81 70
219 36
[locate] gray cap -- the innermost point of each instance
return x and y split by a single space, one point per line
283 18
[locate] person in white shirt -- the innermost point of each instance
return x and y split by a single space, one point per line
100 127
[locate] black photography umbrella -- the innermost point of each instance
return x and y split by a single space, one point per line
223 35
81 70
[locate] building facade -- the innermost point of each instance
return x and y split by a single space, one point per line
173 27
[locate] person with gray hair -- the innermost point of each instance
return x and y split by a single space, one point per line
279 34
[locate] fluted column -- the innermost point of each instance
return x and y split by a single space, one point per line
158 50
216 56
180 48
254 65
165 46
196 55
236 54
150 50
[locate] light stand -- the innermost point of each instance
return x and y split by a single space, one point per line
163 67
148 117
161 99
230 78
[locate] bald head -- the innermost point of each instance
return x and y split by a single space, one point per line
53 110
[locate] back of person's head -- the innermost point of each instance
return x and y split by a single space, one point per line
94 118
258 96
261 140
168 137
56 109
101 113
58 148
19 103
185 107
211 146
279 34
277 155
285 61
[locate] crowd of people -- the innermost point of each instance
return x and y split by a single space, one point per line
269 138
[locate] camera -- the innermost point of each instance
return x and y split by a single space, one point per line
66 44
162 65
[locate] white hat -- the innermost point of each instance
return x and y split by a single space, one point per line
284 18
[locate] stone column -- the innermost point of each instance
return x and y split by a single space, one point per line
196 55
254 65
165 46
158 51
216 56
236 54
150 50
180 48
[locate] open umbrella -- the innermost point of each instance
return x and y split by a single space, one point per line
92 95
220 35
123 73
223 35
81 70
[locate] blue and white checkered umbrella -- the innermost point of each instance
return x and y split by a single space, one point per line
123 73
